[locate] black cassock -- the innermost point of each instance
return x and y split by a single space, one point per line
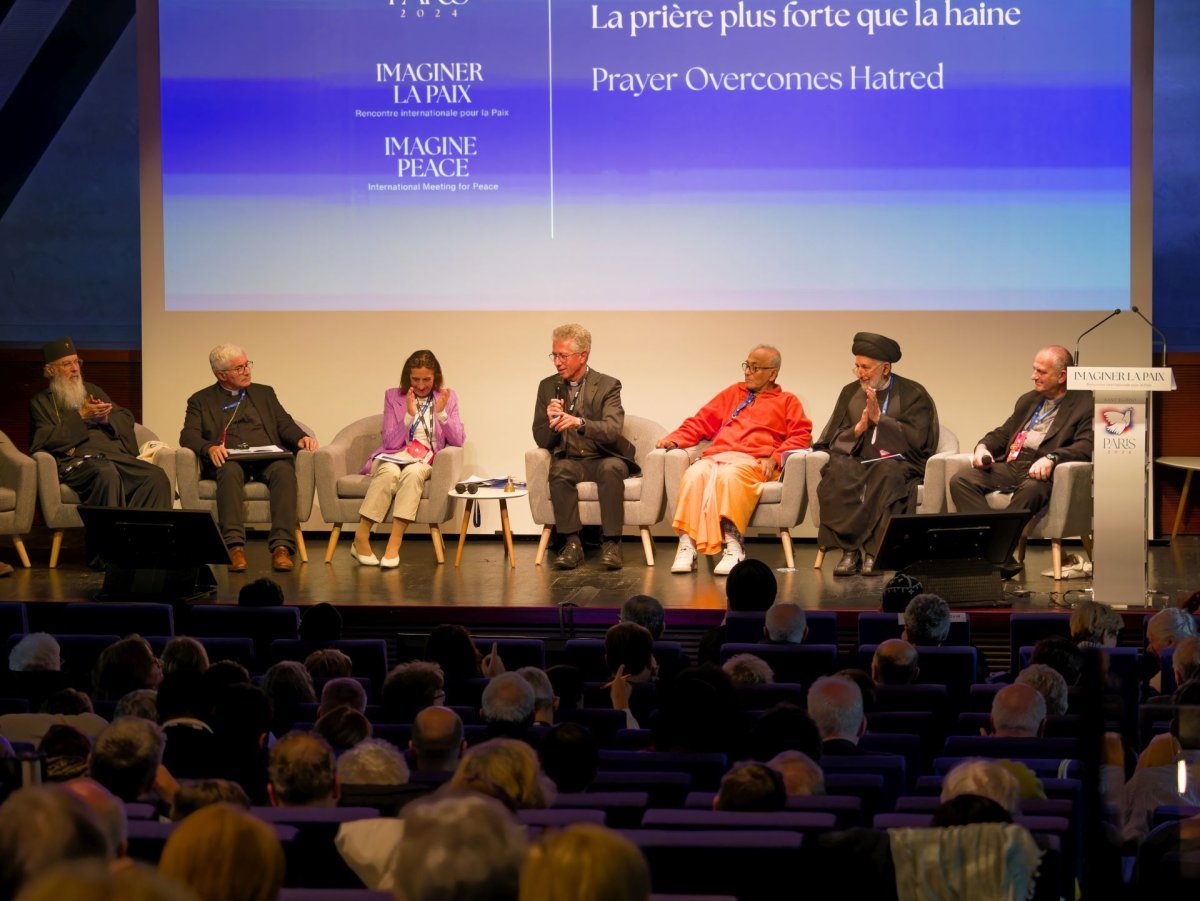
856 499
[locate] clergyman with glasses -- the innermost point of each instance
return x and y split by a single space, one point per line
235 415
751 425
883 429
91 437
578 417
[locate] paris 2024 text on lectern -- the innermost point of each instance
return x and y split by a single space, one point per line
1120 475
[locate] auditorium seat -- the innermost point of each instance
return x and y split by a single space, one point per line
800 663
13 621
644 494
622 810
18 494
96 618
953 667
746 626
603 724
321 864
587 656
239 650
875 627
560 818
791 820
1027 629
262 625
846 810
891 768
78 654
767 695
367 655
665 788
515 652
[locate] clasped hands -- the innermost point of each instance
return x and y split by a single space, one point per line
440 397
95 411
560 421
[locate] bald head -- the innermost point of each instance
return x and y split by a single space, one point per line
1018 711
836 706
894 663
786 622
437 739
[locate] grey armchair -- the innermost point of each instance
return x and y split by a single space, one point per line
643 493
1069 513
931 493
340 489
780 507
18 492
196 493
60 503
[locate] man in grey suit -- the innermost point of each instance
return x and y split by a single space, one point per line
1049 425
234 413
578 417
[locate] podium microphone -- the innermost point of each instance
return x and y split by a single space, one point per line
1157 331
1116 312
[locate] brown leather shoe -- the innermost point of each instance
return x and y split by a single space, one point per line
611 556
237 559
5 569
281 560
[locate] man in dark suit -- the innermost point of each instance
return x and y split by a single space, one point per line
1049 425
578 417
91 437
233 413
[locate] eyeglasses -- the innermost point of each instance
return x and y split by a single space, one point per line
466 487
67 364
753 369
563 357
241 368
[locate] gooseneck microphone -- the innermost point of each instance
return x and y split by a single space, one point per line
1116 312
1157 331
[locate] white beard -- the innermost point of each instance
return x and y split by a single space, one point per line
68 393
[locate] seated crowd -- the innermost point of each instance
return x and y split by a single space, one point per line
458 777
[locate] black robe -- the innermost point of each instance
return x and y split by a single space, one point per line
856 499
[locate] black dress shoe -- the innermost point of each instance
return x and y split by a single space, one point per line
849 564
612 557
868 566
570 556
1012 569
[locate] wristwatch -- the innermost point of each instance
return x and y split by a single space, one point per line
1053 458
582 424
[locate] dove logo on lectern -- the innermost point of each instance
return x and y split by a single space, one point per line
1118 422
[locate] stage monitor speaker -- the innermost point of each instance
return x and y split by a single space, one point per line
155 555
956 556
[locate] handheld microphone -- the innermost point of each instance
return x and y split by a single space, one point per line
1157 331
559 392
1116 312
987 461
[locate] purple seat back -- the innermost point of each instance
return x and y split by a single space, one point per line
876 627
101 618
1027 629
795 821
801 663
559 818
746 863
515 652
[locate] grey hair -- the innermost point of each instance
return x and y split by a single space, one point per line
1170 622
222 355
748 669
786 622
1062 357
372 761
466 847
927 619
36 651
801 774
1049 683
776 358
508 699
580 338
344 690
985 778
126 756
835 704
141 702
1186 659
543 691
45 825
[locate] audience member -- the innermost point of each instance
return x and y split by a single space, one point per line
568 686
328 663
1164 630
507 707
585 862
543 694
899 590
372 761
64 708
437 739
507 770
41 826
342 691
836 706
1186 660
698 711
1095 625
224 673
97 880
569 757
191 745
866 686
36 652
802 776
184 654
462 847
68 702
968 809
67 751
645 611
785 624
126 757
985 778
125 666
302 772
1049 683
287 683
748 669
751 787
785 727
411 687
262 592
1018 711
109 811
895 663
451 647
222 853
926 620
142 702
631 646
321 622
343 727
751 587
241 721
194 795
1060 654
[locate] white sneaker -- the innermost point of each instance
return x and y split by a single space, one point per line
727 562
685 560
1073 567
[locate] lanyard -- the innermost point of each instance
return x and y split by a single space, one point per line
412 429
1038 415
743 405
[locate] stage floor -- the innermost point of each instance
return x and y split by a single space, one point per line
486 580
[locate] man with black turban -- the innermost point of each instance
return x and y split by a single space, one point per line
883 429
